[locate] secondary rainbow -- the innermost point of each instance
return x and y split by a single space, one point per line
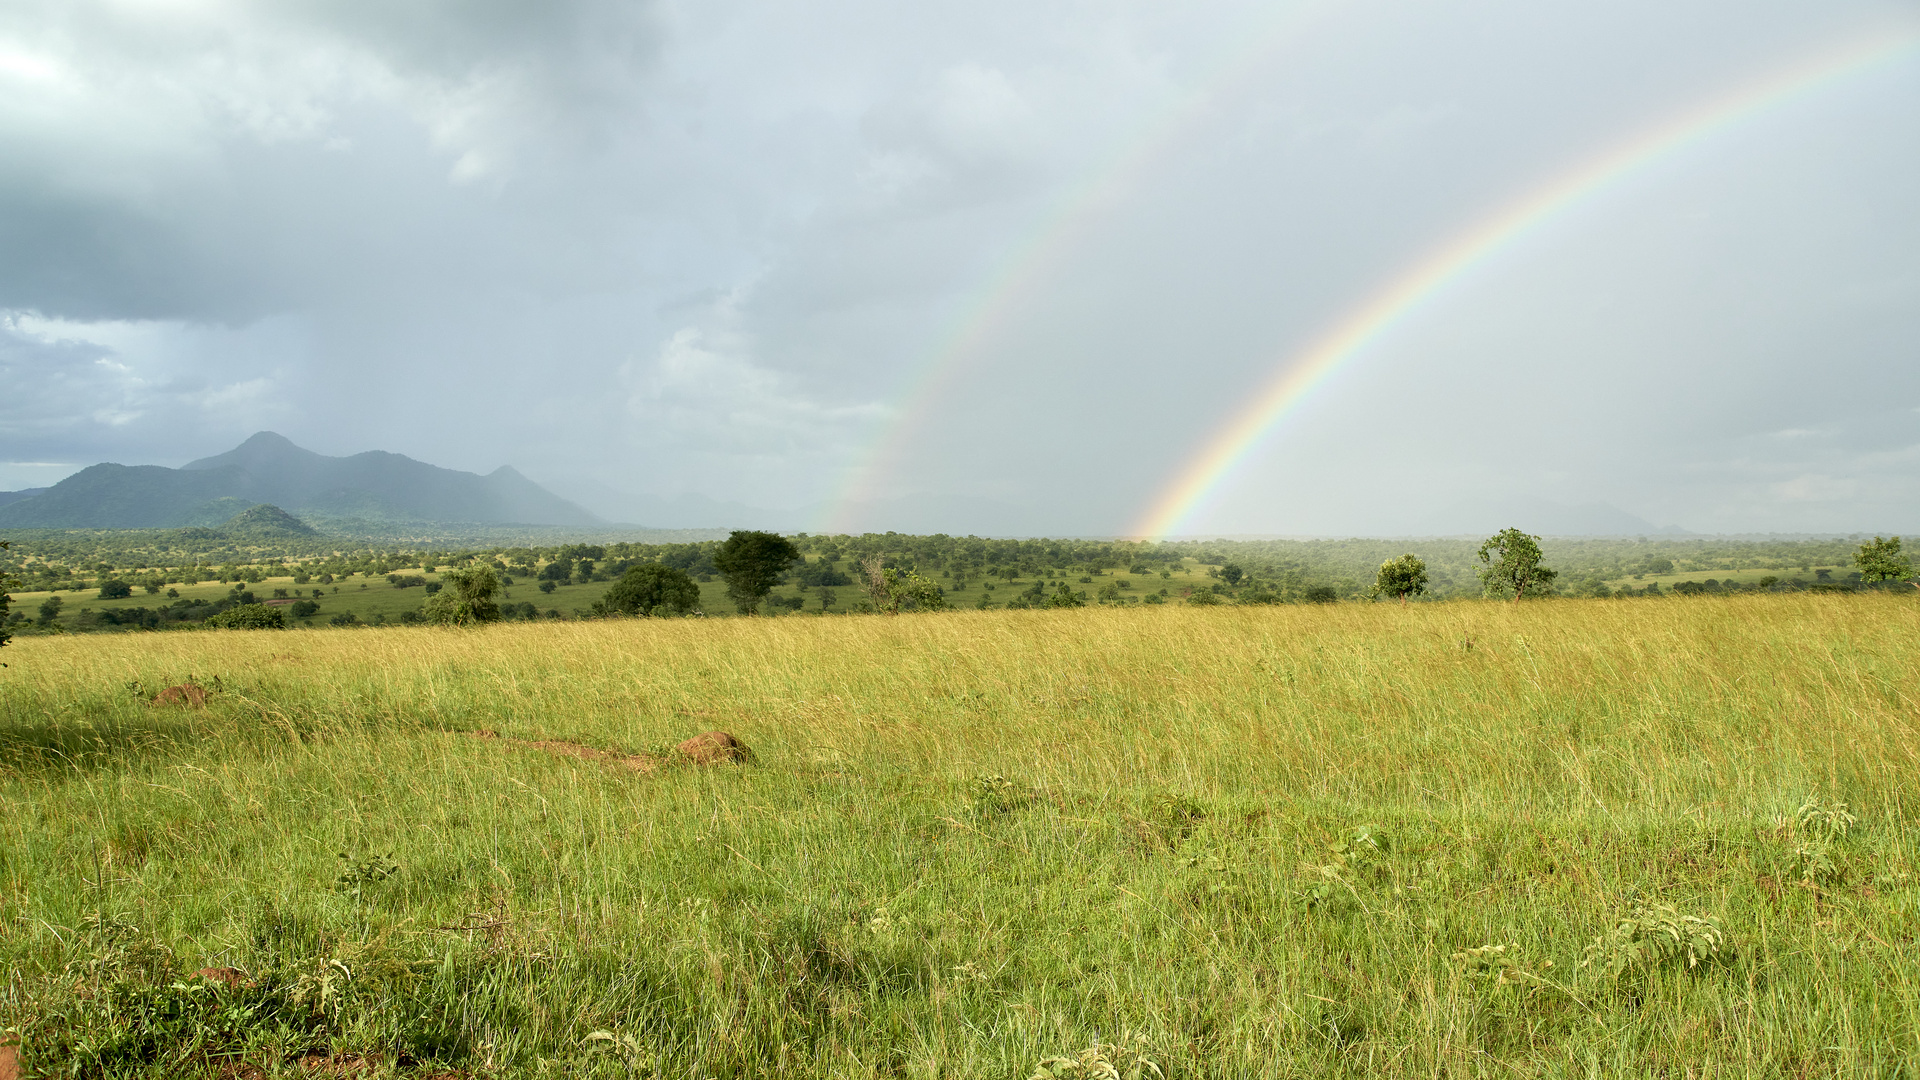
1027 263
1306 370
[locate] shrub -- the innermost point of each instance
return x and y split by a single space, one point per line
304 608
115 590
250 617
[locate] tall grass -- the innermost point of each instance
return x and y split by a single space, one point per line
1259 841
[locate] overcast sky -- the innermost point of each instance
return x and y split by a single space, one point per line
987 267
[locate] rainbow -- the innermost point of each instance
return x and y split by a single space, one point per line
1390 307
1028 262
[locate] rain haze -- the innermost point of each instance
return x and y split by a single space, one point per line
994 268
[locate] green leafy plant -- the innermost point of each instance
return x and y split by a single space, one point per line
360 873
1500 965
1124 1060
629 1049
1359 855
1653 935
995 795
1828 821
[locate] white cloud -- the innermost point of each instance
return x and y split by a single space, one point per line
98 384
704 388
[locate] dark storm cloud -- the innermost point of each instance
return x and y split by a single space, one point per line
669 248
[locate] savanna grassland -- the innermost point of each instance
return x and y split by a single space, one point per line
1564 837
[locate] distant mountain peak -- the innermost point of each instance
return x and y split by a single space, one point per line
259 448
268 468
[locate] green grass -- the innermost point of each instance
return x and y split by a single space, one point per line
1296 841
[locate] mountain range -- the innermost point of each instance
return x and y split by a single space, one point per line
268 468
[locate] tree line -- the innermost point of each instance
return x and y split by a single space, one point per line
899 572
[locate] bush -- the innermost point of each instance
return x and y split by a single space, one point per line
250 617
115 590
304 608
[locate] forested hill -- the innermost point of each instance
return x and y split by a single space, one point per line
267 468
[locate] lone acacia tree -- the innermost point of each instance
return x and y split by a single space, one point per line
752 562
1402 577
1512 565
650 589
1881 560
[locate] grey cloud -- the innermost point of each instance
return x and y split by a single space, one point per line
711 250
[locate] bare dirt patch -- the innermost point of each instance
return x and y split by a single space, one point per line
714 747
184 694
709 748
339 1064
9 1062
640 763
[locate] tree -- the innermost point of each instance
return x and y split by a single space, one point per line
1231 574
115 590
50 610
1881 560
650 589
466 599
752 563
1402 577
1512 565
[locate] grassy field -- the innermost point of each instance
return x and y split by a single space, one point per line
1552 839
